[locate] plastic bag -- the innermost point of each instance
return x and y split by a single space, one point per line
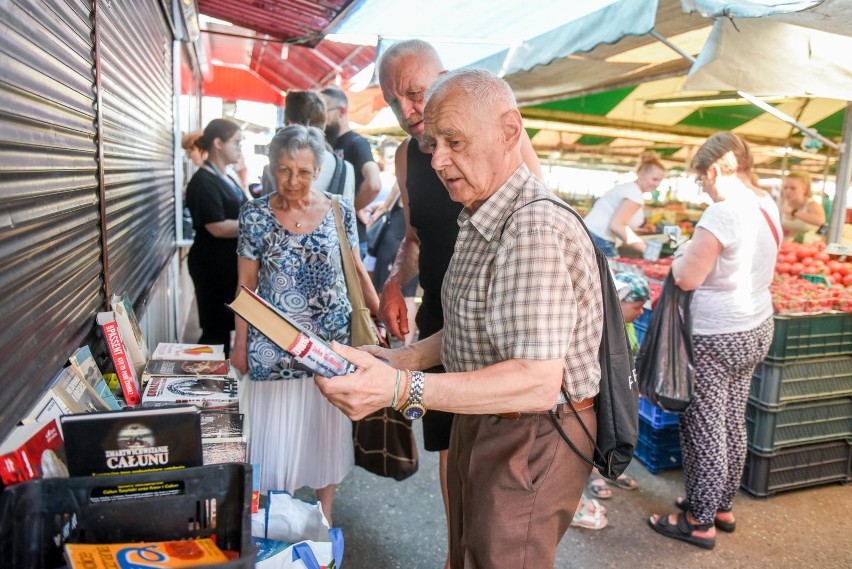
666 364
308 542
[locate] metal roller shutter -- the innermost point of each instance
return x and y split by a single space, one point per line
50 254
138 134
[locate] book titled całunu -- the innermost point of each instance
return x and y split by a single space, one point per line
307 348
127 442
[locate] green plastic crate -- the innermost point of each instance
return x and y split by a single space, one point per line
798 423
811 336
775 384
797 467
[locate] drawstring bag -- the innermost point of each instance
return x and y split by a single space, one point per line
666 366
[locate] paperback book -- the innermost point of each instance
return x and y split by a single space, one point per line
307 348
219 427
127 442
223 453
78 395
174 368
32 451
183 553
131 333
84 365
127 376
192 389
173 351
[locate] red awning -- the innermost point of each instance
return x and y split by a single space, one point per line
240 83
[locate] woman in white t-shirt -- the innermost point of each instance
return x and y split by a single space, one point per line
729 264
617 213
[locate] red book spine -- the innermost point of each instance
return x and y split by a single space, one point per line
123 367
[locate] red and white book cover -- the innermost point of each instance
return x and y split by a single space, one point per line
127 377
31 451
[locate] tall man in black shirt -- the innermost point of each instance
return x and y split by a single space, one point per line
406 70
355 149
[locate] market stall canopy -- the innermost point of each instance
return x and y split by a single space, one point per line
613 127
782 57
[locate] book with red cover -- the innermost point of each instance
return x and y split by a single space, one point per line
32 451
123 365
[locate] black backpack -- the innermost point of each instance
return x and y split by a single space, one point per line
338 179
617 403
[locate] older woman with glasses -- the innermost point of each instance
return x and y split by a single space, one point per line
290 253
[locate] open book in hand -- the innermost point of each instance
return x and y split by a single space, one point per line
307 348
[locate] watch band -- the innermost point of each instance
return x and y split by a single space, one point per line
414 407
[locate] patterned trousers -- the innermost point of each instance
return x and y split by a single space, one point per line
713 430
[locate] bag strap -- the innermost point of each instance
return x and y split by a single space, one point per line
338 179
353 285
772 227
553 417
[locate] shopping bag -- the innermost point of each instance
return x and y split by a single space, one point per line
313 545
666 365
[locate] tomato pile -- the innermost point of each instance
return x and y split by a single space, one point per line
795 259
792 294
659 270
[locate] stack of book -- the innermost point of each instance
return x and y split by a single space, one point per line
199 375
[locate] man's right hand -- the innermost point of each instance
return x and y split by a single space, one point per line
392 309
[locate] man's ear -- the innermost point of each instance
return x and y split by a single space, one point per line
513 126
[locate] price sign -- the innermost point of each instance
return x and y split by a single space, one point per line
652 251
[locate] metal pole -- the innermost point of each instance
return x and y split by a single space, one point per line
844 171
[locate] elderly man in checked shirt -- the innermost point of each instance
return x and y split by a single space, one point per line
523 319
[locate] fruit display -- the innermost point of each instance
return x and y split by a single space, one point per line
792 295
795 259
658 270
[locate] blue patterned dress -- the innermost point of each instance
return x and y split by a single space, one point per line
297 436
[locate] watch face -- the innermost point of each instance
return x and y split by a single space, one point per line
413 412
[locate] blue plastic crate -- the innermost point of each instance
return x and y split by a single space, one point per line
640 332
662 437
656 416
644 319
658 458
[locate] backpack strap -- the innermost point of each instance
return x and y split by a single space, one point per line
338 179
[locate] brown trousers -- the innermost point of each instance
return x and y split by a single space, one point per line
513 488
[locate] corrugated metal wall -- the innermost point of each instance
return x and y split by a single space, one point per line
138 132
50 257
51 269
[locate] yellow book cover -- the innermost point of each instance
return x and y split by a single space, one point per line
186 553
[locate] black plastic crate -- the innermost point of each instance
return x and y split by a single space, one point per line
797 467
775 384
798 423
811 336
38 517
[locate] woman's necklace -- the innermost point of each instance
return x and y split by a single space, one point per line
296 222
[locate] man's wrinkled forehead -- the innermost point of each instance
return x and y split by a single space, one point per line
405 75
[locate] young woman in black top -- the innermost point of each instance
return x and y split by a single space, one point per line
214 200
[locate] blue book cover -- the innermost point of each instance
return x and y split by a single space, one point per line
84 365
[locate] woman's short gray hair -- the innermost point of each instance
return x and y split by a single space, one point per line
292 138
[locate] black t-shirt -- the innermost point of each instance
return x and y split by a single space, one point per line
355 149
210 199
435 218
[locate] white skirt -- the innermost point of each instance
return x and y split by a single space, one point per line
297 436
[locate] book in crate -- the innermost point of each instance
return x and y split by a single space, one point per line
125 442
124 366
183 553
32 451
83 363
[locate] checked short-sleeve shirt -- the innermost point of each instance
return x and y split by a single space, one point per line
523 285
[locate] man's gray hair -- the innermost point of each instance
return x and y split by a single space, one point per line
490 92
293 138
406 48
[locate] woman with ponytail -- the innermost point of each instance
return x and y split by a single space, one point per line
214 200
